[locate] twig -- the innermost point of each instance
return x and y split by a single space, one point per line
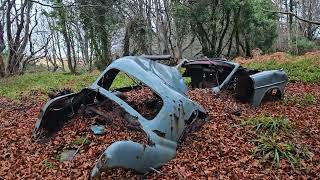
66 5
295 15
75 153
157 171
52 6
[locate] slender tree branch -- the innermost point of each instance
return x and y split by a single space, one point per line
64 5
295 15
190 43
52 6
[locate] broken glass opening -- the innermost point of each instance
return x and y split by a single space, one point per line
134 92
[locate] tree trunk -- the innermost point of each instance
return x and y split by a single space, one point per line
68 45
73 53
126 41
237 38
290 16
62 13
2 47
18 43
59 52
2 69
247 46
309 26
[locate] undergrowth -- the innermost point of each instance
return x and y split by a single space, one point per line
18 86
306 70
305 100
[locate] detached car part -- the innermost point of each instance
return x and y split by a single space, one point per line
248 85
163 59
177 116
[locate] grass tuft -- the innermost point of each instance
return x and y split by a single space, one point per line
81 140
268 148
268 125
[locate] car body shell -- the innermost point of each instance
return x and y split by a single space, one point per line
255 83
164 131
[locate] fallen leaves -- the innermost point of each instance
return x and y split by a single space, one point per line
217 150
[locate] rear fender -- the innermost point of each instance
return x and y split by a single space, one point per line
132 155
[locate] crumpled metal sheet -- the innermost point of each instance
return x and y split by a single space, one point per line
164 132
150 72
262 81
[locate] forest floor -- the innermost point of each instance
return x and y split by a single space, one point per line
222 148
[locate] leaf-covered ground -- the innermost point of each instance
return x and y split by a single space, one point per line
220 149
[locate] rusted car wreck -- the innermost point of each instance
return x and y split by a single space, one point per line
248 85
176 116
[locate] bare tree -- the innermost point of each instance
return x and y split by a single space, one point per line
17 40
19 32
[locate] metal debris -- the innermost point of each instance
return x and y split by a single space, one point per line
97 129
247 84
